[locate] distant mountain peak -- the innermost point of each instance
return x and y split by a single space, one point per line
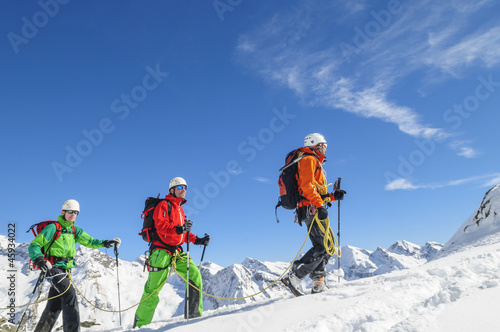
482 227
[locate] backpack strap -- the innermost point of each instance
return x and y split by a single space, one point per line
58 233
54 238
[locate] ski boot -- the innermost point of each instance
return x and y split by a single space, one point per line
293 283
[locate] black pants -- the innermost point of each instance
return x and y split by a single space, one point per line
314 261
67 303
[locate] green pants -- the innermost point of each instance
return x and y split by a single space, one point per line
161 258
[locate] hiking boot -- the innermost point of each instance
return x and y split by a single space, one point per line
293 283
318 285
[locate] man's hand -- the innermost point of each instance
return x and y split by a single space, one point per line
110 243
202 240
322 213
42 264
186 228
339 195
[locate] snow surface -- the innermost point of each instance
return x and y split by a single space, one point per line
457 290
460 292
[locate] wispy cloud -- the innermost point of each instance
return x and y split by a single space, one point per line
261 179
401 184
487 180
300 49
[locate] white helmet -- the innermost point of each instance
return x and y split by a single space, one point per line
177 181
314 139
71 205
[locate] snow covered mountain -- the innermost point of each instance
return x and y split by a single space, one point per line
480 228
428 276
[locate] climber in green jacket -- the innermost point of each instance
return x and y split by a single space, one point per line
55 259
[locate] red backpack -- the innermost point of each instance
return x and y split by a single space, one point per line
37 228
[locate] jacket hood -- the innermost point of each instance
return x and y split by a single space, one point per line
321 157
176 200
64 223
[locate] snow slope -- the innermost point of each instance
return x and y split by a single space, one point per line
459 291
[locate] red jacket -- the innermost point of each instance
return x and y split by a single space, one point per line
165 224
311 179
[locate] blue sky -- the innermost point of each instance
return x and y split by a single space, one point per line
106 102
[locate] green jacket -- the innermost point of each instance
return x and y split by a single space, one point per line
64 246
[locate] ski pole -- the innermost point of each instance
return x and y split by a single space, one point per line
187 278
40 280
118 284
202 254
338 234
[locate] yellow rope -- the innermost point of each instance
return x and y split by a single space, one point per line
37 302
246 297
329 242
135 305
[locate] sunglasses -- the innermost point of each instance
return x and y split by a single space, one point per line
181 187
72 212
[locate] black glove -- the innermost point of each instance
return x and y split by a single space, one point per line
110 243
339 195
186 228
202 240
322 213
42 264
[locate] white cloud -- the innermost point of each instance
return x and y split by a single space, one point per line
299 49
261 179
405 184
468 152
493 182
479 47
464 149
400 184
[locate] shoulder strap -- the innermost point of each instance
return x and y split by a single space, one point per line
169 207
74 231
168 204
55 237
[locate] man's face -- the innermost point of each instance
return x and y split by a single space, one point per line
71 217
180 192
322 149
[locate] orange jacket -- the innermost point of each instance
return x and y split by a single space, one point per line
165 224
311 179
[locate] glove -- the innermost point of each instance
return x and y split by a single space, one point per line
186 228
109 243
322 213
42 264
339 195
202 240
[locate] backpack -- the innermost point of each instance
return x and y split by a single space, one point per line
37 228
287 181
148 231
